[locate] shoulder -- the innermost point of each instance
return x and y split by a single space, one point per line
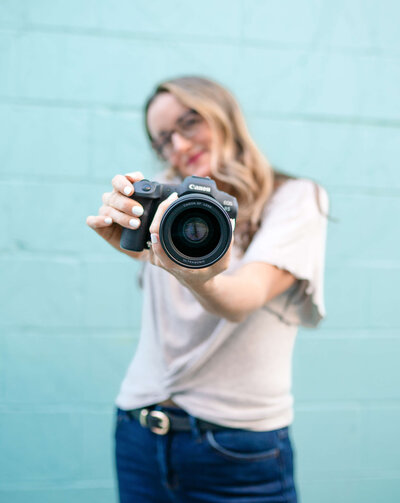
297 194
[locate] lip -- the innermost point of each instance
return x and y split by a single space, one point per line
194 158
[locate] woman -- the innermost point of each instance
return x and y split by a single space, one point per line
204 410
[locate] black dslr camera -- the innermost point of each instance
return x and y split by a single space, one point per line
195 231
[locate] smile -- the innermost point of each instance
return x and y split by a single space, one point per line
195 157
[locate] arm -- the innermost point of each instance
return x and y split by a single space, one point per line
233 296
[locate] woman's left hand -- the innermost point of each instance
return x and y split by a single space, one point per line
188 277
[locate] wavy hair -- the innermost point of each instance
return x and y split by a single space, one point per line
237 164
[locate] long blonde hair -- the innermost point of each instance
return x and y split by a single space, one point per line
236 161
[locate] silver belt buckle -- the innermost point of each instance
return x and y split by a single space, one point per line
163 420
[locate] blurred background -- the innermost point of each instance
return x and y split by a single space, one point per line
319 83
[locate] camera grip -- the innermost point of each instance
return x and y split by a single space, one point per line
136 239
133 240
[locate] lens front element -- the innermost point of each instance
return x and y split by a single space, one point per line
195 230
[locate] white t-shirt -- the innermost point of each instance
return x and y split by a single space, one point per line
235 374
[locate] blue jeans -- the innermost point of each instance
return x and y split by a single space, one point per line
227 465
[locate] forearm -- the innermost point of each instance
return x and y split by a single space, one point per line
220 296
235 296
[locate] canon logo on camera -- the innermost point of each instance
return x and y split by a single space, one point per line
192 186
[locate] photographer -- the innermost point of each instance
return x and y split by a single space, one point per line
204 409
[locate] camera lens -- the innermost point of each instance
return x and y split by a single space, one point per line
195 231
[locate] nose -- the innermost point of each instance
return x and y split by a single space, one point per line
180 143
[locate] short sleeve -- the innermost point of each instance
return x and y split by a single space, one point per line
292 236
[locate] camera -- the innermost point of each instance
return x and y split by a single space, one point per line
196 229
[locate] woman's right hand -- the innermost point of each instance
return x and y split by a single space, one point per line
118 211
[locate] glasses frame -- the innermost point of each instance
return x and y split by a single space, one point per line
159 146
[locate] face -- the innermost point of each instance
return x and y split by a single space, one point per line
184 136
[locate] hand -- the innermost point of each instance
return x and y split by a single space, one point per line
191 278
118 210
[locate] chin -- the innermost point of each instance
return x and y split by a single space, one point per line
200 170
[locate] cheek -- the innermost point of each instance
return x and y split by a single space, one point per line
205 137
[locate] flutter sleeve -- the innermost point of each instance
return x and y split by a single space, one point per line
292 237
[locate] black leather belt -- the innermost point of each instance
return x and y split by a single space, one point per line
163 421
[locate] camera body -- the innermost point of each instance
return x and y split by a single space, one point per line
196 229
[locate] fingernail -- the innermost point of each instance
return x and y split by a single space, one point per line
154 239
134 223
127 190
108 220
137 211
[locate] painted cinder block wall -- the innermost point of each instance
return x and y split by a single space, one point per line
319 82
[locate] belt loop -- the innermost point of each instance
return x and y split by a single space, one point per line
195 428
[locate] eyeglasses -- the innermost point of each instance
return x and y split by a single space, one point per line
187 125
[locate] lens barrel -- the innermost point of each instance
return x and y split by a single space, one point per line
195 231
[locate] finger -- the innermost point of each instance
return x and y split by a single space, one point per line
122 203
134 176
158 255
162 207
124 184
130 222
98 222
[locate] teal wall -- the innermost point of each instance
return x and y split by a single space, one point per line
319 82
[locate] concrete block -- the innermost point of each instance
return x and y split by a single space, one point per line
3 362
348 25
363 232
45 370
361 297
327 441
61 495
107 359
40 293
98 446
346 366
351 490
83 69
43 141
206 19
380 439
263 21
111 297
12 14
334 84
50 216
383 298
118 144
335 154
78 68
346 297
40 446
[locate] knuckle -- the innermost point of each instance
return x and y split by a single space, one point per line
127 207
